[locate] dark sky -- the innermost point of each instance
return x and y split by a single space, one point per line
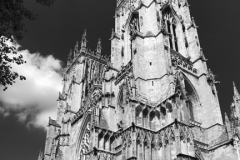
59 26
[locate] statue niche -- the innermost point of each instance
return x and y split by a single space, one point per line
123 97
134 25
122 102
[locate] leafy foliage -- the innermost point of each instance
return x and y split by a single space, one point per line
12 14
7 76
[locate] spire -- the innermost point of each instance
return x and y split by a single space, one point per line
194 23
113 34
228 125
84 36
76 46
99 46
236 95
232 111
84 42
235 107
226 118
40 156
202 56
75 52
69 60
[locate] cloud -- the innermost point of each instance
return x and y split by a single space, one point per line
4 112
34 100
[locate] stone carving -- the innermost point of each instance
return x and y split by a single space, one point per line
64 139
123 73
134 24
179 60
85 144
61 97
211 80
74 81
143 99
236 143
89 105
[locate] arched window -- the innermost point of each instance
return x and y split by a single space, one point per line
152 120
122 96
133 28
138 116
92 70
192 99
146 118
86 78
189 94
169 23
122 100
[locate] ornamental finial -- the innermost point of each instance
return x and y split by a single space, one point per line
69 60
99 46
236 95
84 39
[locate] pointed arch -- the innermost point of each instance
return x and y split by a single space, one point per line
82 131
190 94
103 71
92 70
146 118
98 70
132 27
87 69
120 96
167 8
169 23
190 85
121 103
138 115
152 121
86 75
133 15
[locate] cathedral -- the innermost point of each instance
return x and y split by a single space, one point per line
154 98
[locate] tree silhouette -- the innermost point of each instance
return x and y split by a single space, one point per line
12 14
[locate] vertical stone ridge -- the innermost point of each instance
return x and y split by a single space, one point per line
236 95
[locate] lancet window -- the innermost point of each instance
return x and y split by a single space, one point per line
87 77
122 98
169 23
192 99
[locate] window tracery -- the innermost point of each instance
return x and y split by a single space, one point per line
169 24
192 99
85 144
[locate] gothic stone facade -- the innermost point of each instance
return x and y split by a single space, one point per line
153 99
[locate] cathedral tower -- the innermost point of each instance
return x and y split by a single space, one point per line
153 99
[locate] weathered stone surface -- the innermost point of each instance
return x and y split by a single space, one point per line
153 99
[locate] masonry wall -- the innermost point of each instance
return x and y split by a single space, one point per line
146 115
